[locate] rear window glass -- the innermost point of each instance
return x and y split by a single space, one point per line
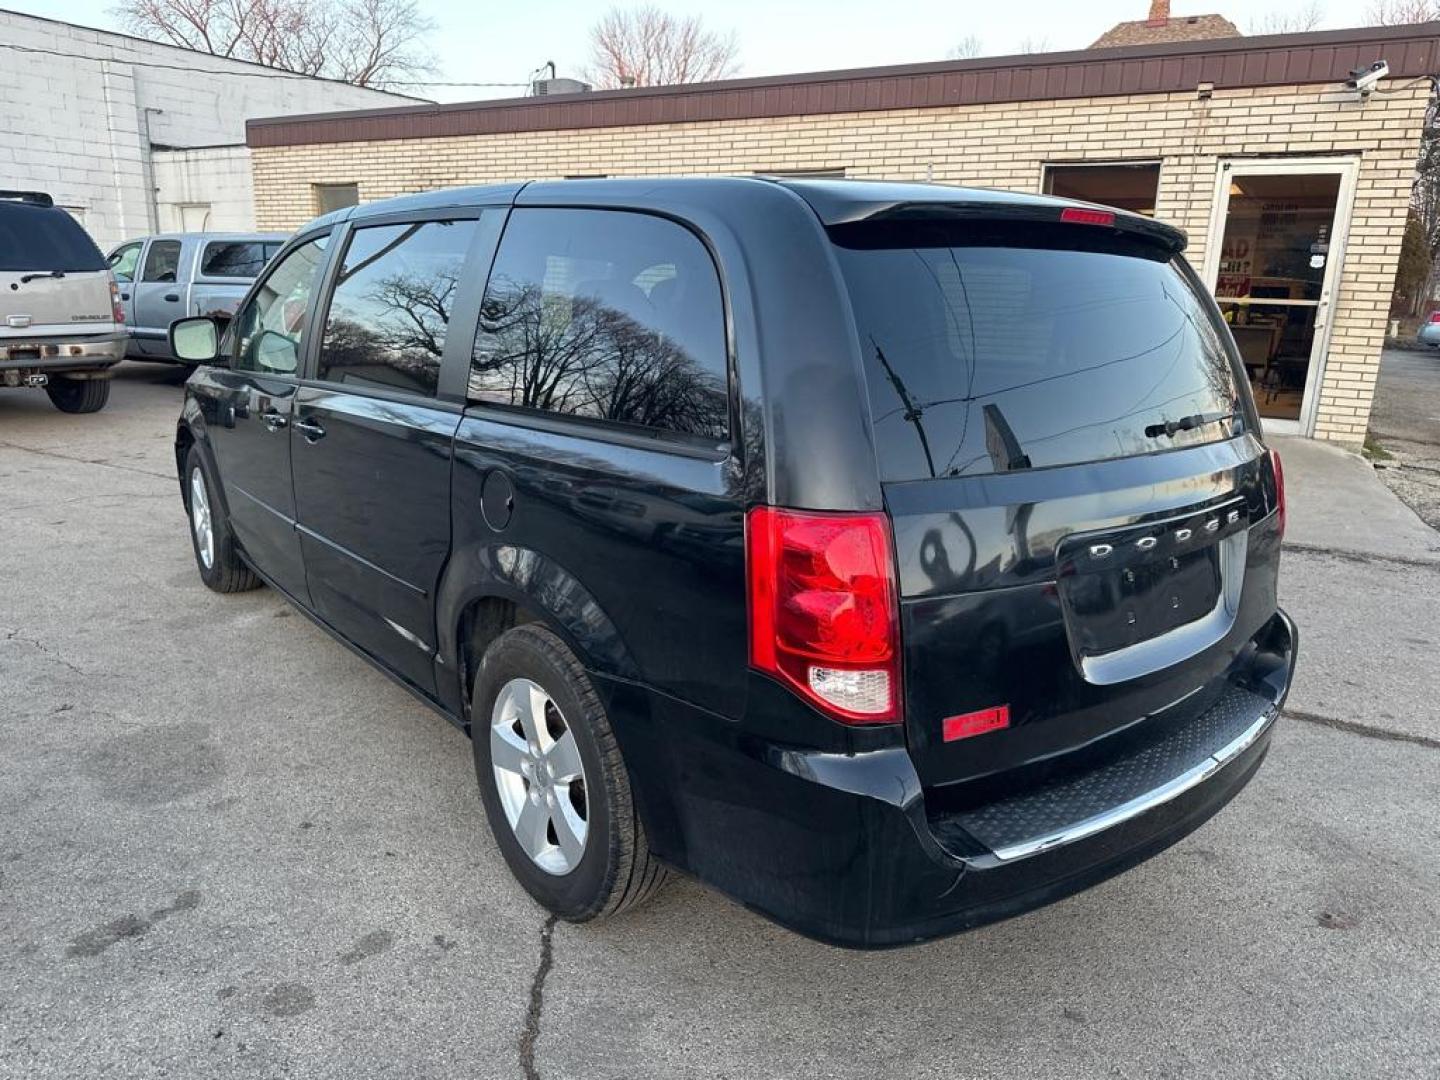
989 349
237 258
45 239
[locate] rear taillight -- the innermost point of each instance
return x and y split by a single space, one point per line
823 615
1435 316
1279 490
116 310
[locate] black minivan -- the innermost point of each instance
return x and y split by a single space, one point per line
893 558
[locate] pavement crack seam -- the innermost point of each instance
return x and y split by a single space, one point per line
44 650
1364 730
531 1035
1362 556
84 461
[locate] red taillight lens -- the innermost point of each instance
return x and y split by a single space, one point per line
822 609
1077 215
1435 316
1279 491
116 311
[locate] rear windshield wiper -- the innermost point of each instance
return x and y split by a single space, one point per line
1188 423
49 273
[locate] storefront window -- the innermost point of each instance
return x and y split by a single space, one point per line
1126 186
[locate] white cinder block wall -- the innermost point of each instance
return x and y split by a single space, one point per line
204 190
95 118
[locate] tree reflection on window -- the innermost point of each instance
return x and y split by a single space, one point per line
608 316
392 303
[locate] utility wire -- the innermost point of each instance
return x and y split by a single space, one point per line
265 73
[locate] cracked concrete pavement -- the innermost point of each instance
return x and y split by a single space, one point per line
229 848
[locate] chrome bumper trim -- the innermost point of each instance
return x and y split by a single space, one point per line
1198 774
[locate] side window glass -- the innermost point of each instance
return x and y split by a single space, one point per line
123 260
391 306
235 258
162 261
606 315
269 331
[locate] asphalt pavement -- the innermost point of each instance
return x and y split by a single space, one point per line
230 848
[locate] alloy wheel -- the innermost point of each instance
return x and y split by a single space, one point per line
540 776
200 519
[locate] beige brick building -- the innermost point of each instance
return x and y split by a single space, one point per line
1293 188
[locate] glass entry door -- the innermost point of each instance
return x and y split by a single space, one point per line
1282 228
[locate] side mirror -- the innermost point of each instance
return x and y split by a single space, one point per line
275 353
195 340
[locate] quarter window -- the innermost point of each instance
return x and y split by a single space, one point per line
162 261
237 258
271 328
608 316
123 260
391 307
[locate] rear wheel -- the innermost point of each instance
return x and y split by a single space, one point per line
554 786
78 395
219 564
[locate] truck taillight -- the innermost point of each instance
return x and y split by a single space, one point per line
1279 491
823 616
115 308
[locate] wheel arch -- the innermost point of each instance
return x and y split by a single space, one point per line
489 590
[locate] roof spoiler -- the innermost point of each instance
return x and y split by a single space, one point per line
1066 214
35 198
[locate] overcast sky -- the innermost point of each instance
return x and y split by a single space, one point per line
503 41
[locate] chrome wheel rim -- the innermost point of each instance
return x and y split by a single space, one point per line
540 777
200 520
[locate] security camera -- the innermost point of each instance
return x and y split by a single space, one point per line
1362 80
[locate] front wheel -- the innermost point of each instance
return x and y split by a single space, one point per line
555 789
220 566
78 395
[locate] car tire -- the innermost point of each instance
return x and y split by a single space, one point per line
78 395
614 870
220 565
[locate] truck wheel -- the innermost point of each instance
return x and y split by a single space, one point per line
219 564
78 395
554 786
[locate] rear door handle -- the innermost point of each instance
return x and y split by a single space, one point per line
172 297
311 429
124 296
274 420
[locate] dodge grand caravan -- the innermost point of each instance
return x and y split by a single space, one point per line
893 558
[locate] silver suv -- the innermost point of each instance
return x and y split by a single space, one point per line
61 325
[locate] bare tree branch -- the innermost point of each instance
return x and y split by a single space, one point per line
968 47
1305 16
366 42
645 46
1403 12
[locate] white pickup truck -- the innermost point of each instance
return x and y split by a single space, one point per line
61 327
174 275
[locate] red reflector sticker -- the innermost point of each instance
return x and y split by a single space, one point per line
1077 215
975 723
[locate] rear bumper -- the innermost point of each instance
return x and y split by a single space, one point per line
840 847
52 354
